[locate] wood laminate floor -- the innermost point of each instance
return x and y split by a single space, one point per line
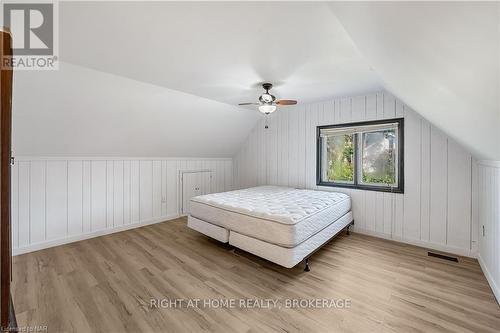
106 284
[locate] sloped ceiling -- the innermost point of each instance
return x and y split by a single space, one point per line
440 58
77 111
218 50
164 78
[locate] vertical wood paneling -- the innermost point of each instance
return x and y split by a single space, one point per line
157 182
459 196
228 176
389 106
56 201
301 148
24 204
127 186
75 197
388 202
411 224
14 204
475 204
87 196
379 211
418 216
172 202
370 210
293 139
110 191
36 203
134 192
98 195
146 190
118 193
345 110
439 187
425 180
164 188
358 208
371 107
487 208
283 149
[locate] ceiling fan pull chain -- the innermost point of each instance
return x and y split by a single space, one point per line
267 121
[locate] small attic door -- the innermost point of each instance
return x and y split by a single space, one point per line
194 183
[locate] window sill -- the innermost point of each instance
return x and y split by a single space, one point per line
363 187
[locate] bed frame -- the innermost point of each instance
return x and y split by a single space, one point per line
306 260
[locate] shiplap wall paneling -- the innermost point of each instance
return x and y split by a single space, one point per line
439 187
434 167
75 198
488 212
54 201
118 193
110 194
98 195
87 196
15 205
134 192
34 186
24 206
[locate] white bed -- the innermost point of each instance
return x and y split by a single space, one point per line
281 224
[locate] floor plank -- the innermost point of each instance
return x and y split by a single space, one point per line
106 284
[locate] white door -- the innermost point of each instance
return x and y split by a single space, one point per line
194 184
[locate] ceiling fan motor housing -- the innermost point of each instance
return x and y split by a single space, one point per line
267 98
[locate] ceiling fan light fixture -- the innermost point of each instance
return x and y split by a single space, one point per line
266 98
267 108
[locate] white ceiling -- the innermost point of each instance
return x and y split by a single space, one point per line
440 58
221 51
156 72
77 111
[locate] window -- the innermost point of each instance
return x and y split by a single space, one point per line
366 155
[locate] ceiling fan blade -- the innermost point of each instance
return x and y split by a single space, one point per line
286 102
248 104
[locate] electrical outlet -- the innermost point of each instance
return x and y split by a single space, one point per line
163 200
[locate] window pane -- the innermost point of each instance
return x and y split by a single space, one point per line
379 160
339 163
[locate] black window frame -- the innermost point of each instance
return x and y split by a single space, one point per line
356 184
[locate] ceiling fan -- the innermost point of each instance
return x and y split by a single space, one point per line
268 103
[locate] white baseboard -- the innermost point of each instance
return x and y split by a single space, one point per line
97 233
418 242
489 278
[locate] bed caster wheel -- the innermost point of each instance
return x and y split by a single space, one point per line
306 267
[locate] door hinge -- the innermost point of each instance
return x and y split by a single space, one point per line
12 160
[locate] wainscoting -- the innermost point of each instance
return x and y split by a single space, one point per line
436 208
488 203
56 201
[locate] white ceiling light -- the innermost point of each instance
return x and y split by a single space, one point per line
267 108
267 98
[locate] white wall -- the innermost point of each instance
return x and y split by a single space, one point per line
56 201
76 111
435 210
440 58
488 211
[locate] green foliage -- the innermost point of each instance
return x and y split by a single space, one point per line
340 153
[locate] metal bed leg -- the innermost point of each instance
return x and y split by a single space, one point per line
349 226
306 268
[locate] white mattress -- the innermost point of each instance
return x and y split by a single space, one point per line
212 230
278 215
288 257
